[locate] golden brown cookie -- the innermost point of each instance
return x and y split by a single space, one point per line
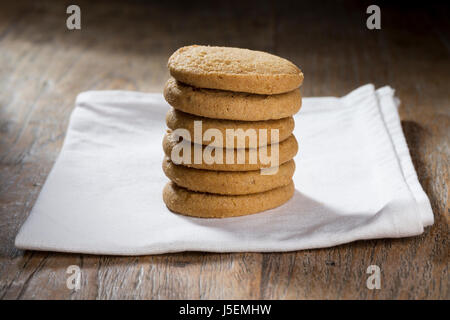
287 149
229 105
176 119
234 69
209 205
228 182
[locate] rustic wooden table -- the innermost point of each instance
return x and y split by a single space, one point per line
43 66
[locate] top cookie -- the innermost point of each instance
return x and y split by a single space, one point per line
234 69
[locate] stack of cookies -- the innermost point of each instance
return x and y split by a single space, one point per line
219 96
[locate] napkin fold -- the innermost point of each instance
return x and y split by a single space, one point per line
354 180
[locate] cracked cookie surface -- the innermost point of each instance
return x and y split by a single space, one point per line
234 69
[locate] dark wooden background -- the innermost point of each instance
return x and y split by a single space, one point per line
43 66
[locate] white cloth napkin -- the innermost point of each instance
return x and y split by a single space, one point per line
354 180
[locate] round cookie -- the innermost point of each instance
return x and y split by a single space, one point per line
176 119
287 149
228 182
218 104
234 69
209 205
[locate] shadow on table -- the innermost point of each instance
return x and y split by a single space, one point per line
419 144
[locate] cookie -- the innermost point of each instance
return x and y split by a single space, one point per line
176 119
209 205
234 69
287 149
228 182
218 104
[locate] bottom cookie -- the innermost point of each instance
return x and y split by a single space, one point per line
208 205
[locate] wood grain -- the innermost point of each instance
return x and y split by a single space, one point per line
43 66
